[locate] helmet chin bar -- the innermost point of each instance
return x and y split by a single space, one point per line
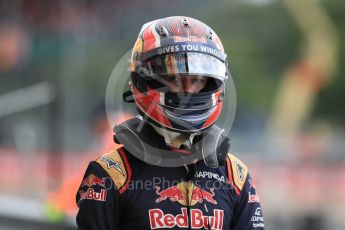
183 130
142 141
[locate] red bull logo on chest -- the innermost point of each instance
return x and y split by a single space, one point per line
186 193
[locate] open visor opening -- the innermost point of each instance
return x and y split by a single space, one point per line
190 63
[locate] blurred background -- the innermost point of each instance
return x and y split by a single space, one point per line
286 58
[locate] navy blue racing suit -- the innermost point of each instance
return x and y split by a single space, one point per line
119 191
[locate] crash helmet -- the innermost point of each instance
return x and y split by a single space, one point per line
166 52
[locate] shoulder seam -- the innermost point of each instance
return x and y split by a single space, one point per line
128 170
230 176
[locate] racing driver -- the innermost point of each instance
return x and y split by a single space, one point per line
173 168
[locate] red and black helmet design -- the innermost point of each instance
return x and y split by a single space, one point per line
178 46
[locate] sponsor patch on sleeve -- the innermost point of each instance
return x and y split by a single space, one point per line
91 194
257 218
93 188
239 172
116 165
253 197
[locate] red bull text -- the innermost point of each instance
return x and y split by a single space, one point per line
90 194
196 219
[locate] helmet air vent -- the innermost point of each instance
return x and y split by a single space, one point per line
163 32
185 22
210 34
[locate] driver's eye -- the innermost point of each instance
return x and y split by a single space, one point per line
197 80
173 79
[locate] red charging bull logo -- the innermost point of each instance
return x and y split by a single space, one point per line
184 190
173 193
93 180
201 195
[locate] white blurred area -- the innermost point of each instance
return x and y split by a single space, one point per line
286 61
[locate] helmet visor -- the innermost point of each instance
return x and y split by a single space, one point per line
187 64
